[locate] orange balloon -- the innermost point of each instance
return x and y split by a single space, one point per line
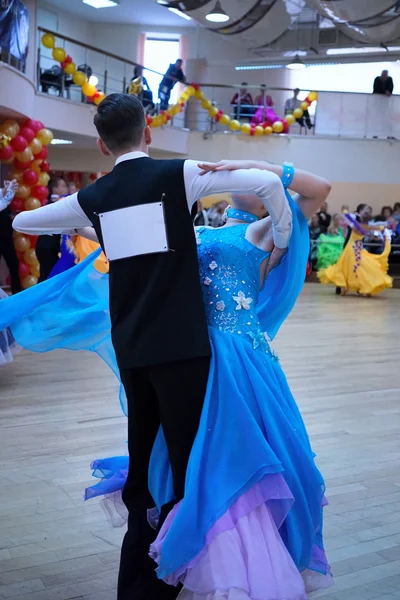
35 270
22 243
32 204
10 127
35 166
88 89
18 175
30 257
36 146
29 281
25 156
99 99
44 179
24 191
267 130
45 136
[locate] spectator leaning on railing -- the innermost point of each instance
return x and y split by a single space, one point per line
243 102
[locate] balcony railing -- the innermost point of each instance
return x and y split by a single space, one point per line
336 114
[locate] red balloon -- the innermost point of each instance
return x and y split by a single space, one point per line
6 153
19 143
17 205
68 59
44 201
21 165
24 270
34 239
38 126
31 124
30 177
42 154
44 167
40 192
285 126
27 133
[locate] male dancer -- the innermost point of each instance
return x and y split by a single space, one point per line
162 351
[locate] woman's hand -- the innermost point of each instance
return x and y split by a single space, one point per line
225 165
11 186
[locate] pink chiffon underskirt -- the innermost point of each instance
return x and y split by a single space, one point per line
244 557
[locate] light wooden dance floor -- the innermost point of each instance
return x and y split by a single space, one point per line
59 411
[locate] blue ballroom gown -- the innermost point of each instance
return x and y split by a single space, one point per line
251 519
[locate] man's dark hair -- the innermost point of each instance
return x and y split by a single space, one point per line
360 207
53 183
120 122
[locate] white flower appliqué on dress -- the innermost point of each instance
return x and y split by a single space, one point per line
242 301
220 306
213 265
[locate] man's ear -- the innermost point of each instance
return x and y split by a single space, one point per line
103 148
147 136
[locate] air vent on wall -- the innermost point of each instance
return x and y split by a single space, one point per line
327 37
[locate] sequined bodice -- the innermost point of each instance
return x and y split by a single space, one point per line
230 279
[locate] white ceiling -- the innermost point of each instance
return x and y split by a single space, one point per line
143 12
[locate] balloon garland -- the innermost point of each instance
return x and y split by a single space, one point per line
25 147
93 95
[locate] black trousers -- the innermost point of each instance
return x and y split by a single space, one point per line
172 395
7 251
47 258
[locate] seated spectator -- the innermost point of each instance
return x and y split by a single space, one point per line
146 95
396 212
293 103
201 218
173 74
216 217
263 99
324 217
243 103
315 231
71 187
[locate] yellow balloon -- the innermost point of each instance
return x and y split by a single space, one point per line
10 128
225 119
24 191
30 256
45 136
206 104
259 130
99 99
199 95
312 96
267 130
35 166
277 126
297 113
184 97
36 146
88 89
44 179
59 54
32 204
190 91
70 68
18 175
175 109
246 128
22 243
234 125
29 281
35 270
290 119
48 40
304 105
213 111
79 78
25 156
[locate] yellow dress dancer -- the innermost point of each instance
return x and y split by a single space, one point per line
357 270
84 247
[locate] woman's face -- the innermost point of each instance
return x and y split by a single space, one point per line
366 213
386 214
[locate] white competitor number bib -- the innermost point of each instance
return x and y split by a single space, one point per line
134 231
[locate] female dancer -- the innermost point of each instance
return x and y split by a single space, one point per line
357 270
251 518
330 244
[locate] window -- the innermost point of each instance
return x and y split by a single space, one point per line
159 53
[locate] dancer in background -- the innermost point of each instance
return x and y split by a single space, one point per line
263 519
330 245
357 270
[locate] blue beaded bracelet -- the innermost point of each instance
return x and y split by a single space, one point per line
287 175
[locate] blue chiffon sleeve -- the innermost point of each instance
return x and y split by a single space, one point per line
284 284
